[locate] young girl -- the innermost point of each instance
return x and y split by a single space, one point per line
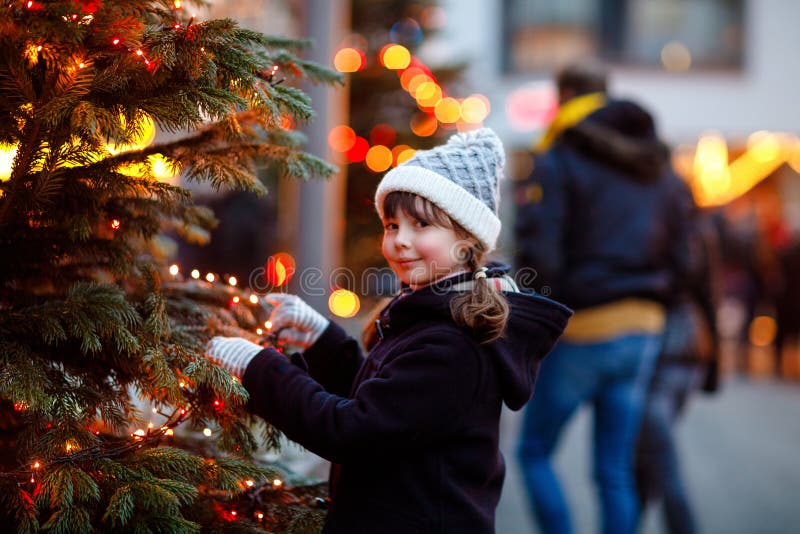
412 429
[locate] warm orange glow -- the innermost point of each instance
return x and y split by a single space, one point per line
762 331
408 75
341 138
195 274
416 81
277 483
232 281
764 146
428 94
379 158
7 155
279 269
174 269
395 57
253 299
210 277
397 151
423 125
146 132
349 60
447 110
115 224
344 303
475 109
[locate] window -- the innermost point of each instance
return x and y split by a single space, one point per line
671 34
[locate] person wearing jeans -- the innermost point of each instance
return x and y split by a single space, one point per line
612 376
603 223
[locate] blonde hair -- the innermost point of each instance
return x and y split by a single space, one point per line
484 310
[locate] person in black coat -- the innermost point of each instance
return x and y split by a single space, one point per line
412 429
602 223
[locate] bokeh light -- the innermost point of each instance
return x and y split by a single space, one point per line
762 331
395 57
7 155
765 146
359 150
423 125
279 269
428 94
379 158
475 109
531 107
402 153
406 31
341 138
349 60
447 110
408 74
144 135
344 303
675 57
382 134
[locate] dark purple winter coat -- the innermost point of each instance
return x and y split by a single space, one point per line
412 430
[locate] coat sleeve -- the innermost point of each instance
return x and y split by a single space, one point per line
416 397
540 225
334 360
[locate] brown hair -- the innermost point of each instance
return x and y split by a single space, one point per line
484 310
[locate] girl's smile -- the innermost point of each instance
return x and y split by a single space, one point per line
419 252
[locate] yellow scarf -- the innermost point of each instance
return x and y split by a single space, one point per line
571 113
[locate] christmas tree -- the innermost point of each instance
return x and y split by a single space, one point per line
89 314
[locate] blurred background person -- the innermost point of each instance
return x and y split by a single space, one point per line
688 360
607 235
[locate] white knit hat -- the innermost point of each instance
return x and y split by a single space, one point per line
461 177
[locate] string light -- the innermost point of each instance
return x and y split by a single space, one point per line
260 516
259 331
232 280
210 277
195 274
36 465
268 325
277 483
235 300
253 299
115 41
249 483
207 432
174 269
178 4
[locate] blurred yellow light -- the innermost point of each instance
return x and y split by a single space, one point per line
341 138
408 75
396 57
474 109
794 155
423 125
762 331
174 269
416 81
675 57
397 150
7 155
232 281
253 299
348 60
146 133
379 158
210 277
163 169
195 274
428 94
447 110
344 303
764 146
207 432
405 155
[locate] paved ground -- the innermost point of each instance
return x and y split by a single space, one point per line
741 454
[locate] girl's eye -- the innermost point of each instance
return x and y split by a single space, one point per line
421 224
390 226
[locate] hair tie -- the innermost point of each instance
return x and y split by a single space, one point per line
480 273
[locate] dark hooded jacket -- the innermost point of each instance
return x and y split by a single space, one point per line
603 217
412 430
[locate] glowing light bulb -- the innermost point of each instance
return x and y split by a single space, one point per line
268 325
207 432
210 277
174 269
277 483
253 299
195 274
232 280
235 300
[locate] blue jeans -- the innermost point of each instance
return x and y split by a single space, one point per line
613 375
657 466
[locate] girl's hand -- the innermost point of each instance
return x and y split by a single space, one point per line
294 322
232 353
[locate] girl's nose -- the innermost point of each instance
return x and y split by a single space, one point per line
403 239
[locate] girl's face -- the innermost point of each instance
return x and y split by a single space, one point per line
420 252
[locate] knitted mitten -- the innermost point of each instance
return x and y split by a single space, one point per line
294 322
232 353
